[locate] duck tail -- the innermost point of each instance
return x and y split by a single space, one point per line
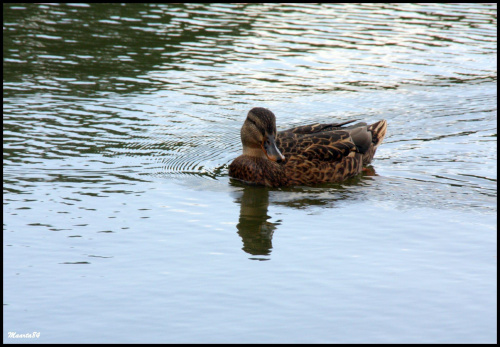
378 131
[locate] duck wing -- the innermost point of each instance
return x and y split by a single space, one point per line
324 146
331 142
316 128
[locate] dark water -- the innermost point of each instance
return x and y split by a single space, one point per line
120 221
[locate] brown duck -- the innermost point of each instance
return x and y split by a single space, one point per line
304 155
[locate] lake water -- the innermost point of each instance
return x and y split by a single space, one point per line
122 225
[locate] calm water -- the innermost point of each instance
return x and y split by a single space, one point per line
122 225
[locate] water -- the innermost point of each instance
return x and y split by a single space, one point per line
122 225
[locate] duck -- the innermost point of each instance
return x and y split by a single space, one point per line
304 155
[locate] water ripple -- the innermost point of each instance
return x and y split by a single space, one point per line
162 89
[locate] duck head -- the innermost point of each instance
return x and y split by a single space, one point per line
258 135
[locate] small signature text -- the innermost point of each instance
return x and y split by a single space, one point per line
14 335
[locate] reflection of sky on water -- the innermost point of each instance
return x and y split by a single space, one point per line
119 124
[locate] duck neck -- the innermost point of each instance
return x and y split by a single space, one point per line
254 152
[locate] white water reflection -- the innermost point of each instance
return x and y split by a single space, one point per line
120 121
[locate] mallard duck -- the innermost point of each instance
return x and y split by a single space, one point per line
304 155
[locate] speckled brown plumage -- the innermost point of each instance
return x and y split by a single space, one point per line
313 153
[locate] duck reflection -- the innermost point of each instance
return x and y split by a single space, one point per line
254 225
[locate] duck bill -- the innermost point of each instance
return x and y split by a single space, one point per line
272 152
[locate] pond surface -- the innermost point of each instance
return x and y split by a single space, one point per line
122 225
